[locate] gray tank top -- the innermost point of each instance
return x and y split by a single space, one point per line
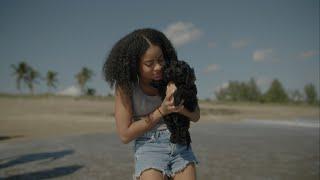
143 104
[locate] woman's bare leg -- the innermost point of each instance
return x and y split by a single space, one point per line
189 173
152 174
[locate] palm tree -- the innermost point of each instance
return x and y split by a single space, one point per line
20 72
31 78
51 79
83 77
90 92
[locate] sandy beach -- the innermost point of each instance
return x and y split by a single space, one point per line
25 117
75 138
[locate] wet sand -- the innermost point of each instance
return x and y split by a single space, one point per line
68 138
233 150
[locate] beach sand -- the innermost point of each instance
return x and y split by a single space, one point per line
34 117
75 138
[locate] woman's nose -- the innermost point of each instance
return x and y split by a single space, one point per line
158 66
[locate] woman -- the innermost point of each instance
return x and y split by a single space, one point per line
134 61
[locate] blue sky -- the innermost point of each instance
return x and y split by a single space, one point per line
223 40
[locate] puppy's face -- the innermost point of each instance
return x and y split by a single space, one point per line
180 73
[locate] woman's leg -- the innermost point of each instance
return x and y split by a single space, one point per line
152 174
189 173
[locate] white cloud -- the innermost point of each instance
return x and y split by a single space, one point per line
309 53
240 43
70 91
223 86
181 33
262 54
263 81
211 68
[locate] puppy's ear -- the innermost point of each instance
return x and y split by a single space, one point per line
169 73
191 78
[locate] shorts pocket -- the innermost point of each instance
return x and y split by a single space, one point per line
142 141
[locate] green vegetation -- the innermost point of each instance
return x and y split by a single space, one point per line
51 80
249 92
83 77
28 76
276 93
243 92
20 73
311 94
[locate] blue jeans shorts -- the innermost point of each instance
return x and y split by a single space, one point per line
154 150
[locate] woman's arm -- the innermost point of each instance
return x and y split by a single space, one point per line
129 129
194 116
126 127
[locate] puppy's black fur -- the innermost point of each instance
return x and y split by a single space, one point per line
182 75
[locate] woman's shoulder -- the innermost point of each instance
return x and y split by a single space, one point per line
122 95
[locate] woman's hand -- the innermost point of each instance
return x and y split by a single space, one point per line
167 105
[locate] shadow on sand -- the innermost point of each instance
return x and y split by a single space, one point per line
45 174
2 138
35 157
42 174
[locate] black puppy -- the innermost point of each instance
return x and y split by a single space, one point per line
182 75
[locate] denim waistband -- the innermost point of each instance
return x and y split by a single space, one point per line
160 126
155 132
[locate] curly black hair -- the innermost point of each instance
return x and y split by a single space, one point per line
121 67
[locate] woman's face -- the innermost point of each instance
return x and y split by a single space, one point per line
151 64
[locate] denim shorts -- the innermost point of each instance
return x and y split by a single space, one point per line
154 150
